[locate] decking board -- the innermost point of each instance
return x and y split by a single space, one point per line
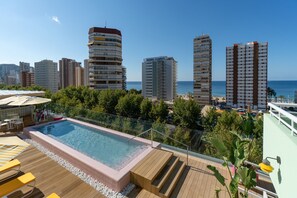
51 177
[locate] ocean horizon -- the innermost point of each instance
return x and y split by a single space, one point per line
281 87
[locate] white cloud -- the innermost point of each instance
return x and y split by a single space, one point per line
56 19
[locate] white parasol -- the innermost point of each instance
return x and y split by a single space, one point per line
21 100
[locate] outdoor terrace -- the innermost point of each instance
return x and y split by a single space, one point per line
195 181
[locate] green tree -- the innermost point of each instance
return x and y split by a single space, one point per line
270 92
159 111
129 105
228 121
236 154
134 91
209 121
186 113
145 109
247 126
108 99
168 135
161 128
182 135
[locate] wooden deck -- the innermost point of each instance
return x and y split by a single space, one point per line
195 181
198 181
145 172
51 177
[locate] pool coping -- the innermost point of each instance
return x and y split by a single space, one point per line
114 179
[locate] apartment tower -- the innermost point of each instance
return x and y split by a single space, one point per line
68 69
26 74
246 75
159 78
46 75
105 59
202 69
86 72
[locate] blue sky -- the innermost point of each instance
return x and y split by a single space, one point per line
34 30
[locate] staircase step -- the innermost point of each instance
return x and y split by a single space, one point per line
146 194
160 180
172 180
144 173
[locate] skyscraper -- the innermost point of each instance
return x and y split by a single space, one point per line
86 72
67 72
246 70
203 69
26 74
159 78
27 79
79 76
46 75
105 59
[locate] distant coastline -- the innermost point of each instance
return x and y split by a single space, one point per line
285 88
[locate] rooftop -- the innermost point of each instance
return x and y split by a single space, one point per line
8 93
195 180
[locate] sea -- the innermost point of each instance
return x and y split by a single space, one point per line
282 88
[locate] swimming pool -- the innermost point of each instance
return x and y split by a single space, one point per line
110 149
106 155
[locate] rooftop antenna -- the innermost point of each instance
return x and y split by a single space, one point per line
105 23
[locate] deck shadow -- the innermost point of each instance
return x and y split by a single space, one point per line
180 182
201 171
36 193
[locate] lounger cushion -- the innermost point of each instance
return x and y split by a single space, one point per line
10 165
53 195
15 184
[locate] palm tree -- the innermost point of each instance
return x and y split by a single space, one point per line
270 92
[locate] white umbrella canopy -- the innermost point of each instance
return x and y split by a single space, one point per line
8 100
29 100
22 100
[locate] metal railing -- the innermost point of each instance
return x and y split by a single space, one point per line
151 130
283 117
265 193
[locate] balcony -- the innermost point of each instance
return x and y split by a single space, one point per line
280 140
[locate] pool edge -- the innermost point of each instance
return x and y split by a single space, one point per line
114 179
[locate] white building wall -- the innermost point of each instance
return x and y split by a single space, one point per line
245 76
159 78
46 75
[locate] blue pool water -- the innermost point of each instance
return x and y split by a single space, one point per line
109 149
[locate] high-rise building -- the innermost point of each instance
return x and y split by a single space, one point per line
203 69
246 75
26 74
46 75
159 78
79 76
86 72
27 78
105 59
10 70
67 69
10 79
24 66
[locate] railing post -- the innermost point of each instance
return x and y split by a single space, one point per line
279 117
292 125
187 155
151 137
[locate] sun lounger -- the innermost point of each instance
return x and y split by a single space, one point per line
10 147
53 195
17 183
11 165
